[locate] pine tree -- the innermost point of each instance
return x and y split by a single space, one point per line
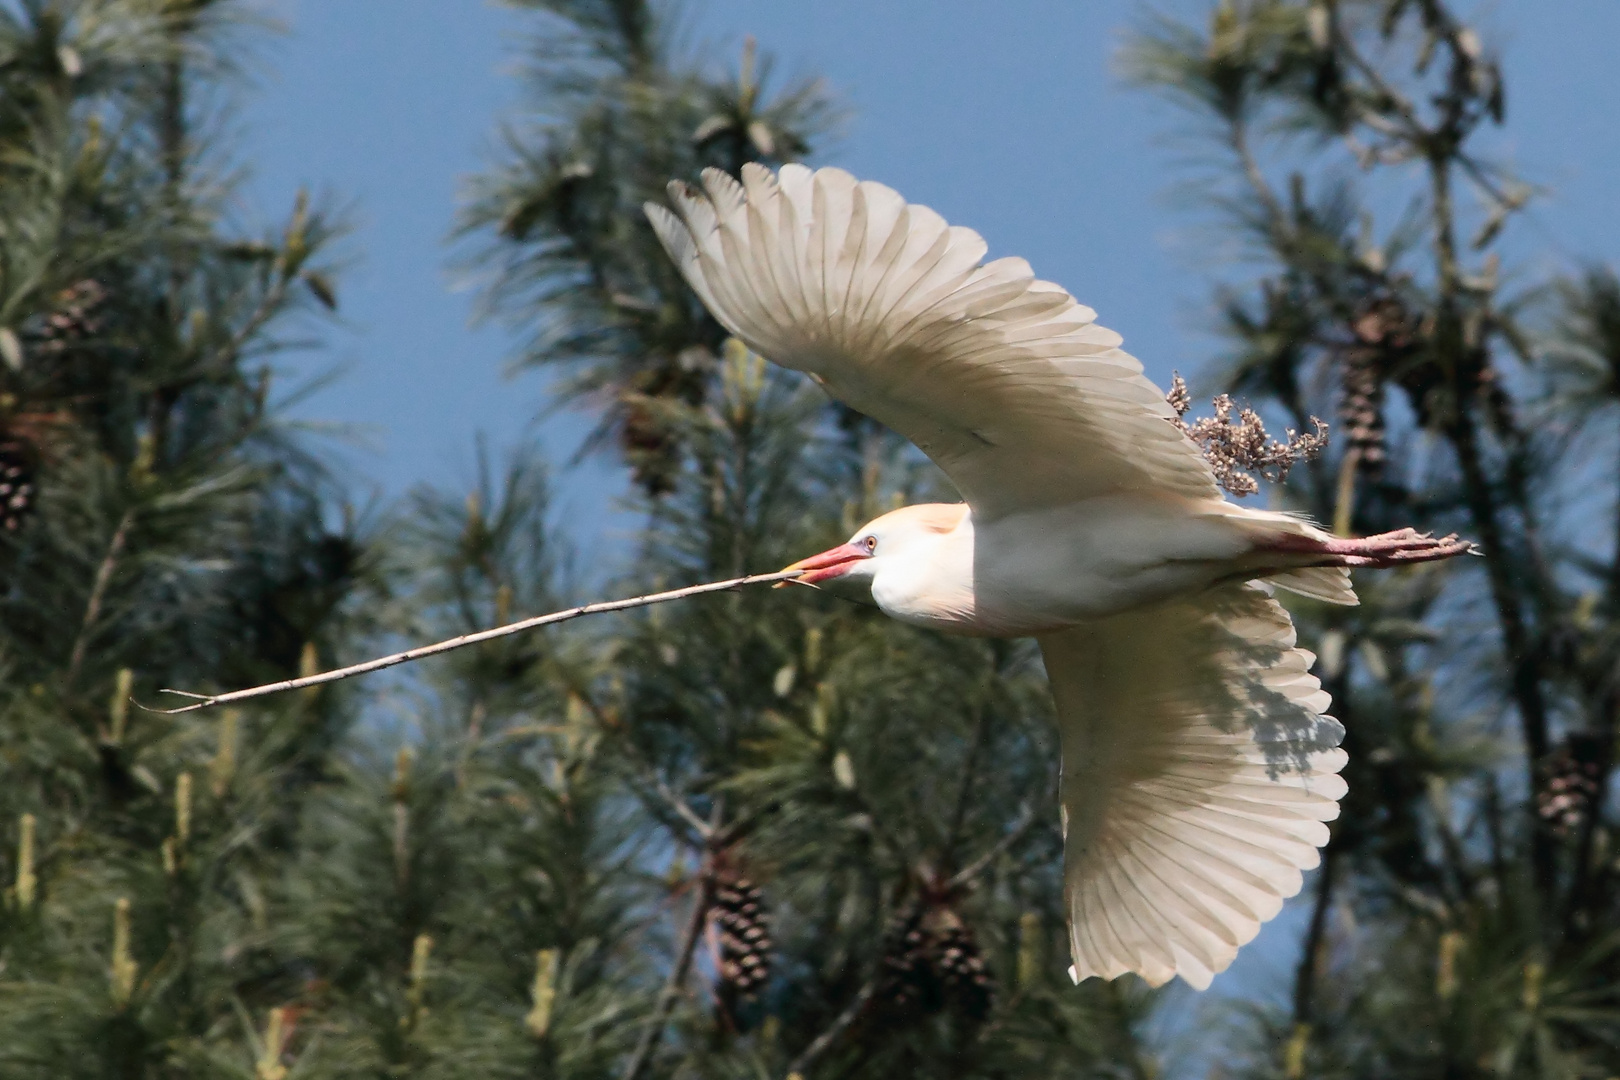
170 534
474 894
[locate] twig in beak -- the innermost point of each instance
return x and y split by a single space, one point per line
204 701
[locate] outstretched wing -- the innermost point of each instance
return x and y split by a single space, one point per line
1003 380
1198 771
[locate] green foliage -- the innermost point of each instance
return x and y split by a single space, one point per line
177 537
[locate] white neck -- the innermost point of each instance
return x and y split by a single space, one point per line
929 581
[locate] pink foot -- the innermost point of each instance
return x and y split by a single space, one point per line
1384 550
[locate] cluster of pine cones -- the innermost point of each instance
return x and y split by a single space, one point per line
1574 772
1386 346
73 320
930 963
933 963
16 484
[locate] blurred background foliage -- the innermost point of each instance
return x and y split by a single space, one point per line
753 835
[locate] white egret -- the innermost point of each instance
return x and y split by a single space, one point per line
1198 766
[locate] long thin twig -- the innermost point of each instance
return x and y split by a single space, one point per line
204 701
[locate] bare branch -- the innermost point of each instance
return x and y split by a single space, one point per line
679 805
204 701
1276 216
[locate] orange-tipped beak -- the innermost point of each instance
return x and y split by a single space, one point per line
829 564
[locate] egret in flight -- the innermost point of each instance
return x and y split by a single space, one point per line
1199 767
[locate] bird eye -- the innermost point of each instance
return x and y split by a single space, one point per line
871 544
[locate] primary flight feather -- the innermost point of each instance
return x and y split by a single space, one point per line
1199 767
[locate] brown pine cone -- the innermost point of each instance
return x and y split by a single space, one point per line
1574 773
1361 409
74 318
745 940
962 973
908 978
933 963
1382 337
17 484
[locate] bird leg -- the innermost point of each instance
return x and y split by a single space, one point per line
1384 550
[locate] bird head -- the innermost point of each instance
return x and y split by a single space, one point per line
850 568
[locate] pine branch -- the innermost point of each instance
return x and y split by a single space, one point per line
962 878
204 701
98 594
824 1041
676 803
973 869
1308 970
654 1031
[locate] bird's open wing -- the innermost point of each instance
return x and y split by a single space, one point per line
1198 771
1005 381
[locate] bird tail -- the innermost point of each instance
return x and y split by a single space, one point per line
1329 584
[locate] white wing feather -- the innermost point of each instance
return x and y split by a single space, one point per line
1002 379
1198 771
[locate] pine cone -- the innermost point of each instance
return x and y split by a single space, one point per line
961 970
933 963
74 319
17 483
1574 772
745 938
1381 337
908 979
1361 409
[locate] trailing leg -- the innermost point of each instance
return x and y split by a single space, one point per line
1398 548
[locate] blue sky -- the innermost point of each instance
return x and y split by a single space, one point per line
1005 117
